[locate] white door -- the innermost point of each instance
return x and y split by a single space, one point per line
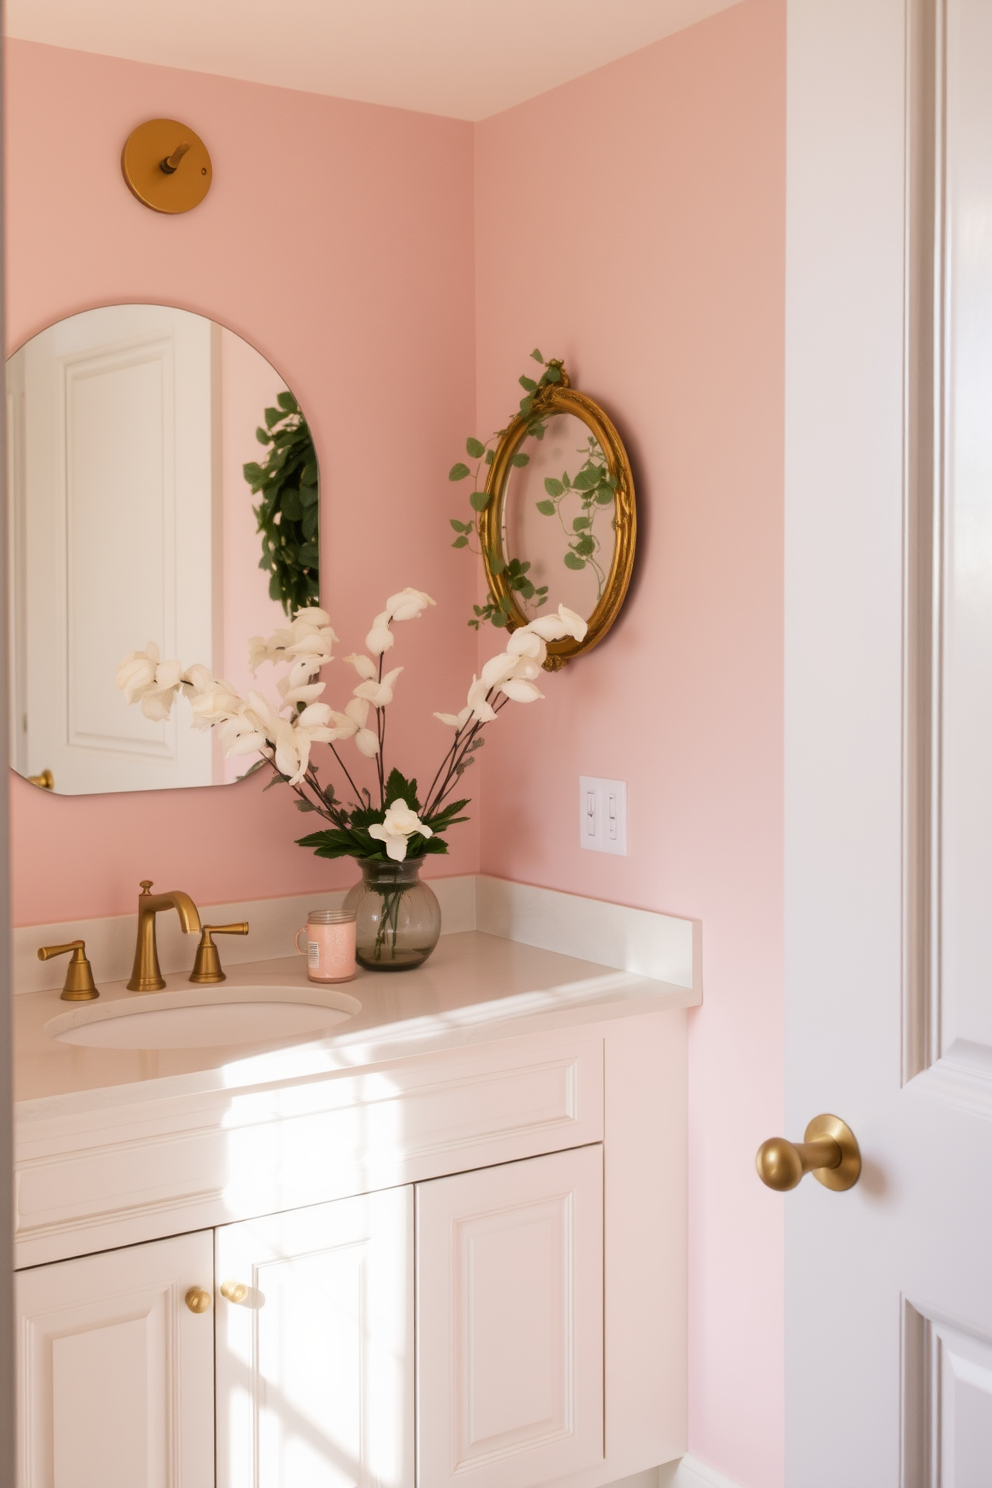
510 1322
115 1373
315 1354
889 739
112 511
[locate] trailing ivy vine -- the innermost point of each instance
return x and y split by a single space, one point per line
288 511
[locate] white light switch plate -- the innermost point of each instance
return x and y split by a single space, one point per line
603 815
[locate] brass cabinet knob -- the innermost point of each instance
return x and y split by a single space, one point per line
197 1300
829 1151
234 1291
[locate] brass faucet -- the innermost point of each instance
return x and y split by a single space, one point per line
146 975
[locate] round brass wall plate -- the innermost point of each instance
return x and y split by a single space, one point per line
848 1171
176 188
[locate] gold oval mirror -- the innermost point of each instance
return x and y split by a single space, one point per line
561 513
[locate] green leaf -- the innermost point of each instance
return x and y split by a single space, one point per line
581 523
571 561
586 479
604 498
460 542
458 472
497 564
525 587
499 619
585 546
309 495
553 487
309 554
475 448
253 473
459 526
262 437
399 788
546 508
527 405
302 805
537 356
520 459
553 374
528 384
272 416
288 402
292 506
490 456
479 500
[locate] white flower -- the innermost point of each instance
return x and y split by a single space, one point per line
526 642
240 736
380 637
351 724
520 691
378 693
455 720
305 692
496 668
477 704
399 826
214 704
555 627
364 666
197 679
260 649
409 604
136 672
312 618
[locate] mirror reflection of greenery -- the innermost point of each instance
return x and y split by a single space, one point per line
288 512
593 488
529 597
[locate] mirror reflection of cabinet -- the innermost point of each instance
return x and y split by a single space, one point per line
132 521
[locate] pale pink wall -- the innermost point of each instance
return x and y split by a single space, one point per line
632 222
337 238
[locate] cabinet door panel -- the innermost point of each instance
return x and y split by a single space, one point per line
115 1374
315 1364
510 1322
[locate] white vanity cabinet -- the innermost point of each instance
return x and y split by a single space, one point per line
451 1249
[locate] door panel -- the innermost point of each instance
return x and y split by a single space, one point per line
115 1373
888 708
315 1362
510 1322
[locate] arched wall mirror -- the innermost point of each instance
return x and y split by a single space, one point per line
134 519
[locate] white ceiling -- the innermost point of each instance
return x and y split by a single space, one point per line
463 58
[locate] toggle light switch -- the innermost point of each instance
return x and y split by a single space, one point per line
603 815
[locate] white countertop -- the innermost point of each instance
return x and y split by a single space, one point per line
475 988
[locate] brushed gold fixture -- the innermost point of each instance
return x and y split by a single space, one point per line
829 1150
561 398
166 166
197 1300
79 984
234 1291
207 967
46 780
146 975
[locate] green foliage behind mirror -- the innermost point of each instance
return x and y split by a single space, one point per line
288 512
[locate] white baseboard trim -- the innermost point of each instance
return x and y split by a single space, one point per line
635 940
690 1472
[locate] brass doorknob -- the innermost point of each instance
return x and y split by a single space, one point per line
829 1151
234 1291
197 1300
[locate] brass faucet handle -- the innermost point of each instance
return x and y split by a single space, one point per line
79 984
207 967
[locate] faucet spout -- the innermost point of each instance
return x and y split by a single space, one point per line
146 974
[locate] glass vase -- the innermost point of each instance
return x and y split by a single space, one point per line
397 917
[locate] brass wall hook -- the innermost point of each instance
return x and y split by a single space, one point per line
207 967
79 984
166 166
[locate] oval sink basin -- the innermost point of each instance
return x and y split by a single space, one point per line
204 1017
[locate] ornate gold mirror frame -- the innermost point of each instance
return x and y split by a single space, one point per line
554 398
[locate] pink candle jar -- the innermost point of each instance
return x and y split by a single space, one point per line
329 945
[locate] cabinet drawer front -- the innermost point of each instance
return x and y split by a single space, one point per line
115 1374
510 1322
258 1151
